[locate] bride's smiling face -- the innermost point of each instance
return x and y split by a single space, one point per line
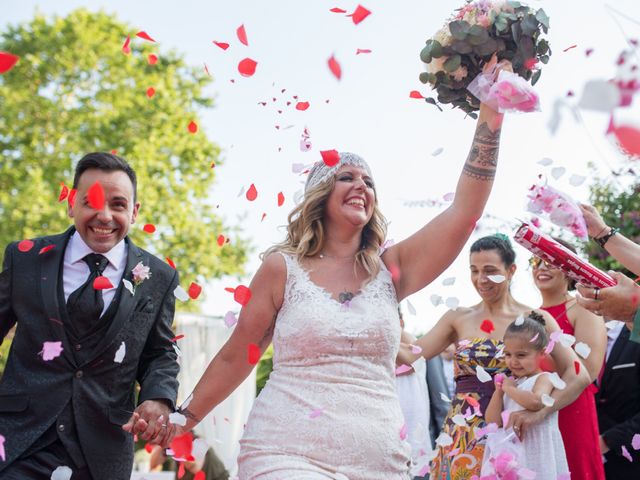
352 198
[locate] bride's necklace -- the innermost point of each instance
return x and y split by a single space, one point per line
323 255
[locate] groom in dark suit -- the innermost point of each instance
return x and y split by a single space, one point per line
94 315
618 404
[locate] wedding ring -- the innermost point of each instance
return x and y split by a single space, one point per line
596 291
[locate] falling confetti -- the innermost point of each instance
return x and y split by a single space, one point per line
452 303
149 228
51 350
126 49
64 192
252 193
247 67
170 262
449 281
194 290
25 245
415 94
583 350
61 473
46 249
192 127
102 283
437 152
152 59
334 66
177 419
222 45
145 36
253 353
362 50
359 14
242 35
487 326
545 162
220 240
547 400
482 374
436 300
557 172
7 61
302 106
330 157
230 319
403 369
337 10
122 350
569 48
280 199
403 432
95 196
411 308
129 286
180 294
497 278
242 295
576 180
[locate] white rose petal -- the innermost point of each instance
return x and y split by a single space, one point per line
445 398
449 281
547 400
452 303
180 294
557 172
482 374
129 286
298 167
519 321
545 162
437 152
600 95
61 473
576 180
436 300
241 192
567 340
411 308
122 350
582 349
459 420
178 419
497 278
186 403
230 319
557 382
444 440
199 450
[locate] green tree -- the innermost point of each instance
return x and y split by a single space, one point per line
74 91
619 204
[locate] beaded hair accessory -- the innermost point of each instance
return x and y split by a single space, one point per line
321 172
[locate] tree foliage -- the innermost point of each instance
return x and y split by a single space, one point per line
619 205
74 91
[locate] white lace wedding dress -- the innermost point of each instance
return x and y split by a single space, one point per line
330 408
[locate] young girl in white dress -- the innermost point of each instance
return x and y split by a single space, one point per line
543 452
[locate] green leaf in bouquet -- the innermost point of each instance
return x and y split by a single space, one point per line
514 4
459 29
543 18
543 47
461 46
536 77
436 49
526 47
477 35
487 48
500 23
544 59
529 24
453 63
425 54
426 77
432 101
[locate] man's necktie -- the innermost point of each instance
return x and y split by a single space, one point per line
85 304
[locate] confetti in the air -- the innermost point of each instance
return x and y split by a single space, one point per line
302 106
415 94
557 172
482 374
192 127
547 400
403 431
61 473
149 228
242 35
487 326
242 294
126 49
7 61
152 59
449 281
230 319
122 350
145 36
436 300
25 245
316 413
280 199
180 294
247 67
545 162
362 50
452 303
330 157
335 68
222 45
253 353
252 193
411 308
102 283
403 369
51 350
359 14
437 151
64 192
497 278
151 92
194 290
177 419
95 196
583 349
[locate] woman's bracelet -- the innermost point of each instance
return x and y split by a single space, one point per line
604 239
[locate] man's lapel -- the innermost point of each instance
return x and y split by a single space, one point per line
50 264
127 301
617 349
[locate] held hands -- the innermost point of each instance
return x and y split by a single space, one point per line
150 421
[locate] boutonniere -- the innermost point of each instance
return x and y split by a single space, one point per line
139 274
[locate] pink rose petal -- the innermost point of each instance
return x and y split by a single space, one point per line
51 350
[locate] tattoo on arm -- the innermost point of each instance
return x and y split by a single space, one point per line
483 157
189 414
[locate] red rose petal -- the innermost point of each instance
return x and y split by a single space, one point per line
220 240
194 290
280 199
576 366
145 36
181 471
64 192
206 69
330 157
25 245
362 50
192 127
177 337
149 228
182 445
334 66
170 262
487 326
149 447
415 94
629 139
530 63
152 59
229 289
222 45
247 67
359 14
242 35
302 106
242 295
95 196
337 10
253 353
569 48
151 92
125 47
263 216
102 283
46 249
252 193
7 61
71 199
200 475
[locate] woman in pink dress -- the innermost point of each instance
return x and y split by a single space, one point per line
578 421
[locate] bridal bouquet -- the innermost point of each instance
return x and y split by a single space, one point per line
459 51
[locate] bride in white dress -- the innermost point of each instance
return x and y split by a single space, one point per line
328 301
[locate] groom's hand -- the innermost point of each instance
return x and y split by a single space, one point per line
150 421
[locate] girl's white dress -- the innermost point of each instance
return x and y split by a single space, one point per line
543 448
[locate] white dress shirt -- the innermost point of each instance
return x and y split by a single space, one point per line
614 327
76 271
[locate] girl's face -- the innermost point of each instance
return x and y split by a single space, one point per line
487 268
521 357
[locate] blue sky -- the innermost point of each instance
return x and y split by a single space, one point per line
369 111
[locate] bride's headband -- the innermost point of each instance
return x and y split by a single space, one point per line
320 172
